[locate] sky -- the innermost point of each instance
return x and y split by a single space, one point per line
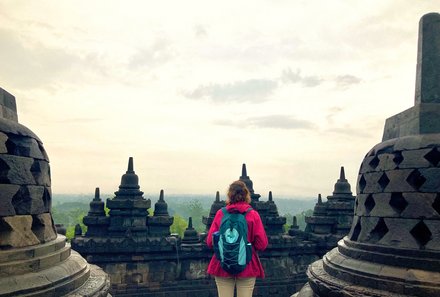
193 89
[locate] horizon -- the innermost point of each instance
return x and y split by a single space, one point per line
293 89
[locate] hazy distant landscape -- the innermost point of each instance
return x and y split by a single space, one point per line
69 209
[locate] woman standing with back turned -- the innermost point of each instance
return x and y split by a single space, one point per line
238 200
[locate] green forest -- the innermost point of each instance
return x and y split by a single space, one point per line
70 209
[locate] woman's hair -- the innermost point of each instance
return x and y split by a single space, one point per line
238 192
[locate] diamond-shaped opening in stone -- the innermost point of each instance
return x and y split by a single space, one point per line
18 145
398 158
378 232
383 181
47 200
416 179
4 169
374 162
433 156
369 203
421 233
436 204
362 184
356 231
397 202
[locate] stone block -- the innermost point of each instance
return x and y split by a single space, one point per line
386 162
29 200
7 193
41 171
432 183
3 139
419 119
414 159
399 233
382 207
367 225
397 181
420 206
24 146
43 227
16 231
16 170
434 242
372 185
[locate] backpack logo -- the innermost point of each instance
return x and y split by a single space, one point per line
230 243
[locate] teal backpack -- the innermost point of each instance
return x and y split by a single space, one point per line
230 243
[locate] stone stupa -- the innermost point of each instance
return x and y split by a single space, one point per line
34 260
393 248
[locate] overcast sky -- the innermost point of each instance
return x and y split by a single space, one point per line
193 89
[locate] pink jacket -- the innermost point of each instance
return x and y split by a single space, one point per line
256 236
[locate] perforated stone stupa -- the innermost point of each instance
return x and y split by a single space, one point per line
331 220
34 261
393 248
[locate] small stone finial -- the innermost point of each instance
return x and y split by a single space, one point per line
217 197
190 236
428 60
161 207
319 199
342 174
243 170
78 230
342 187
97 195
130 165
270 196
295 222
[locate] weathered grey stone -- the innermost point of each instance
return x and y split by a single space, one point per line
414 159
3 139
12 127
7 193
8 106
428 60
372 185
29 200
386 162
41 172
382 207
16 170
398 234
420 206
432 183
16 231
43 227
23 146
398 181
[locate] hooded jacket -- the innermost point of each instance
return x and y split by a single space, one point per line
256 236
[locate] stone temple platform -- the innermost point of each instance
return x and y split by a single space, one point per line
34 259
393 247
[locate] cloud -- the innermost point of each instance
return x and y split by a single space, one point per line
200 31
158 53
288 76
79 121
347 80
252 90
35 65
285 122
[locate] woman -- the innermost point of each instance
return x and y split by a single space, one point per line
238 199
